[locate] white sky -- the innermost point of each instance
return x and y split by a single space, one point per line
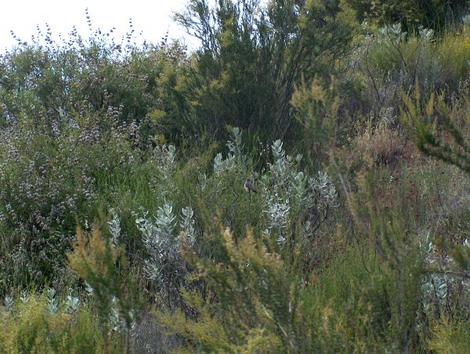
153 17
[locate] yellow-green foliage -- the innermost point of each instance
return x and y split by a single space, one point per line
317 109
94 258
369 258
346 310
437 129
393 60
454 54
255 301
247 307
450 337
103 266
254 304
31 328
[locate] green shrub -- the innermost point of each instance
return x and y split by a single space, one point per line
102 265
391 61
449 143
52 84
48 184
290 205
254 301
240 245
347 308
450 337
253 290
454 55
252 57
434 14
33 326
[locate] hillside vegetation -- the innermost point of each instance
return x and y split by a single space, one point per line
299 183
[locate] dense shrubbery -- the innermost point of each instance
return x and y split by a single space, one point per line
252 57
265 193
435 14
43 324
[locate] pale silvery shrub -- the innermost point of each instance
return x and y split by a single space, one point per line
391 33
72 303
158 239
283 176
288 193
114 316
165 158
24 297
466 21
115 227
426 34
276 188
9 303
277 212
325 188
162 237
221 165
435 291
281 169
425 243
89 289
202 182
161 240
235 157
434 286
187 225
52 302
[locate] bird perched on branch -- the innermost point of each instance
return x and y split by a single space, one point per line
249 186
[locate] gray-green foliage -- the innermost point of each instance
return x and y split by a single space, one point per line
163 238
290 194
234 158
286 194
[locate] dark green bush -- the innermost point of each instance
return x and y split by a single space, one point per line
435 14
253 56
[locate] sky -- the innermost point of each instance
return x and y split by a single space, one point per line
152 17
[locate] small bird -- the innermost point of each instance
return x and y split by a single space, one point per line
249 186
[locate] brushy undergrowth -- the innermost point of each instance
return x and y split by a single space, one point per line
299 183
43 324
